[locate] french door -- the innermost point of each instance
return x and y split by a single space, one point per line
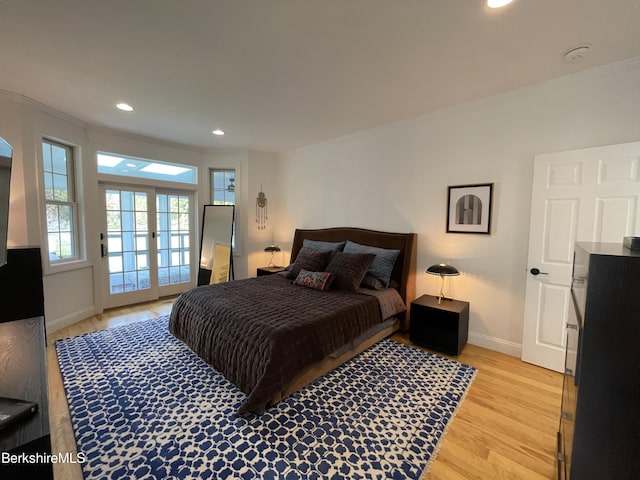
147 244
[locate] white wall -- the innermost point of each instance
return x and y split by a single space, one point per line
395 178
262 177
11 113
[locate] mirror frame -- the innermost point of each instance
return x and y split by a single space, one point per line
204 275
6 156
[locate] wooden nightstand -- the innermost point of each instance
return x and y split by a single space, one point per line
443 327
269 270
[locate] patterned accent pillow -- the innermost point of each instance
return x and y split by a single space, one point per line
349 269
308 259
317 280
382 265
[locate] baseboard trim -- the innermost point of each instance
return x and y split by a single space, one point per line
497 344
69 319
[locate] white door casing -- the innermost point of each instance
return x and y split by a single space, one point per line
589 195
147 244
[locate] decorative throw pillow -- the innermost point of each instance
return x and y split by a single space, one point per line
333 247
372 283
317 280
309 259
382 265
349 269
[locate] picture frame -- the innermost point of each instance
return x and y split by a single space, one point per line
469 208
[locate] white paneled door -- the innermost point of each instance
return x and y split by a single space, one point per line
587 195
146 244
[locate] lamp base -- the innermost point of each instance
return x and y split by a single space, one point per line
271 264
442 297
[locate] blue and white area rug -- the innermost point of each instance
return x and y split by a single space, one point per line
143 406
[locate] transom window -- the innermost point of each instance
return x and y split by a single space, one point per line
121 165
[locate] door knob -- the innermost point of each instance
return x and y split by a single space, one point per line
535 271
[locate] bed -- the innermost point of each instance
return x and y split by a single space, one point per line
272 335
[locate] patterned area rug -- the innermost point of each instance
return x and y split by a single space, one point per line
144 406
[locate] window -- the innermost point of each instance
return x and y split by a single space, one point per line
60 202
150 169
223 192
223 187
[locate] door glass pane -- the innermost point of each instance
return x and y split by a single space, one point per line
174 254
128 234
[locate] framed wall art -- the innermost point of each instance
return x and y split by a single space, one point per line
469 208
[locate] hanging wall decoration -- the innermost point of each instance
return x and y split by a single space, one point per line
261 210
469 208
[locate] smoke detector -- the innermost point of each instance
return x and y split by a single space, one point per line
575 54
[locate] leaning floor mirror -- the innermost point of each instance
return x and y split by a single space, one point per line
216 250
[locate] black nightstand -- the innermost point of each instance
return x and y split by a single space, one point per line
443 327
269 270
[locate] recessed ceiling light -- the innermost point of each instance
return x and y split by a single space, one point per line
125 106
498 3
131 165
218 132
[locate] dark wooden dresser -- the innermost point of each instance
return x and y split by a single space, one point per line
599 434
23 369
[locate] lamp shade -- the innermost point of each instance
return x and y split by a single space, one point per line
443 269
272 248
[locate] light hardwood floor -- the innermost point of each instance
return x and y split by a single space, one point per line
505 429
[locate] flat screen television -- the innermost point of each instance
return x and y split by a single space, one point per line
6 154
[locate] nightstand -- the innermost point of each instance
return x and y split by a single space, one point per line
443 327
269 270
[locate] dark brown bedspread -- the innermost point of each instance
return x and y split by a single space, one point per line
261 332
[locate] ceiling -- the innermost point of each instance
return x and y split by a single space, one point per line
276 75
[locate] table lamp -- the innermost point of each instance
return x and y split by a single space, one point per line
443 270
273 249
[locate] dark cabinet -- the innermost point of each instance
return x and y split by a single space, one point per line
599 432
262 271
23 370
21 291
441 326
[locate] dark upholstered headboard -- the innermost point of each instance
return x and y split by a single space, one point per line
404 271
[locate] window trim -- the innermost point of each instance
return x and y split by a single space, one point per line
78 260
212 190
135 165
